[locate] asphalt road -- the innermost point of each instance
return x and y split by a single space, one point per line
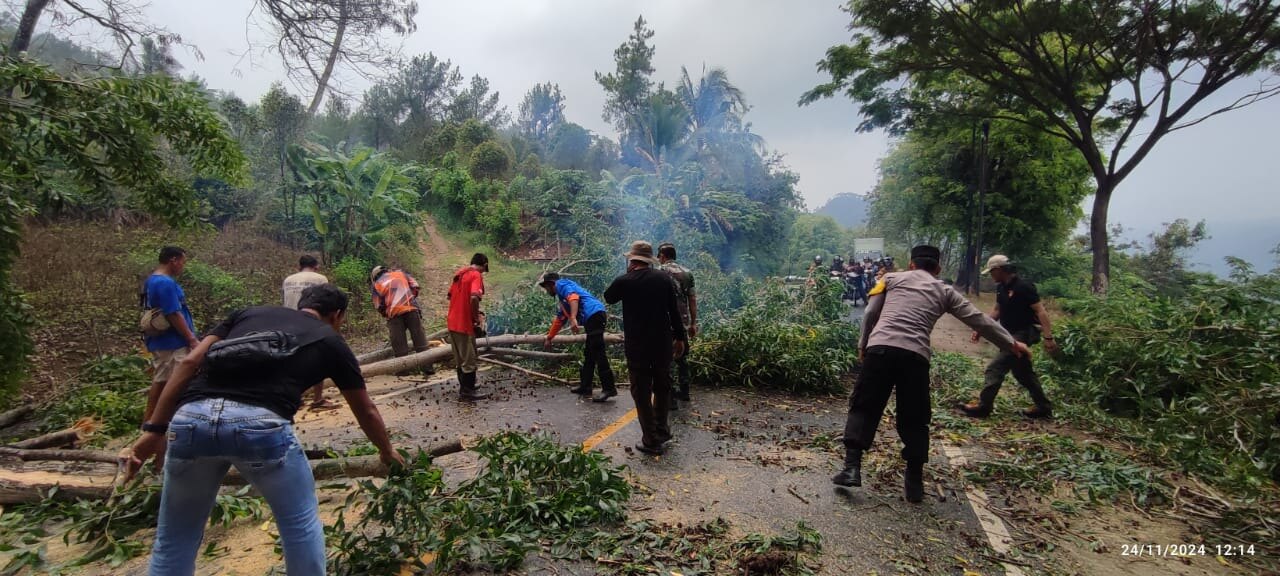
763 462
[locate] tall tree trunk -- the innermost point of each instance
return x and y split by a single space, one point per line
1098 239
27 26
323 82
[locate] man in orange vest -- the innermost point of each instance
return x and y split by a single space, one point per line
395 296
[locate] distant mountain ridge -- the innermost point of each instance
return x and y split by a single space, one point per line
848 209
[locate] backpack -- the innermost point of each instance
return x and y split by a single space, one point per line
152 322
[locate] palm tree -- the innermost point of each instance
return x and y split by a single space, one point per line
716 108
661 128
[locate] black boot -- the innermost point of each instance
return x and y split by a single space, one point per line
913 482
467 388
605 393
851 475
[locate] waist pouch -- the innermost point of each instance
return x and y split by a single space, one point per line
256 351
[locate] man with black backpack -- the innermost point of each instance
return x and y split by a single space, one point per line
231 402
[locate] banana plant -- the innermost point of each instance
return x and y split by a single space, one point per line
353 199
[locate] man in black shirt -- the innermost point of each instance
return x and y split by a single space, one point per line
223 417
1019 310
654 333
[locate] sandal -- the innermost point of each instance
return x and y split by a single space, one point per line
324 405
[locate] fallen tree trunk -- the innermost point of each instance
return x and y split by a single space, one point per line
11 417
421 359
23 487
33 486
61 455
535 354
385 353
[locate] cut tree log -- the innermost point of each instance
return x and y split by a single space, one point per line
525 370
32 486
61 455
23 487
535 354
385 353
421 359
11 417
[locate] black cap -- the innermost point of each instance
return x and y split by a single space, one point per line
548 278
925 251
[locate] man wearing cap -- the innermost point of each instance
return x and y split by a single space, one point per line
687 299
894 349
395 297
579 309
654 334
465 322
1019 310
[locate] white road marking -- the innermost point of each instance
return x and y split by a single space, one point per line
997 533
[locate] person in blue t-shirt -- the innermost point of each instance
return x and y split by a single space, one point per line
168 348
578 308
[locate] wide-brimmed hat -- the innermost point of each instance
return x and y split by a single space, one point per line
997 261
642 251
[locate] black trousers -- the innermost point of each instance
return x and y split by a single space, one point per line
594 359
1006 362
649 365
884 369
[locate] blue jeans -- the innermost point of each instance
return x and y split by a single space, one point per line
206 438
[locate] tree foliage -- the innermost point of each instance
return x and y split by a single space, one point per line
1111 78
541 112
104 135
927 189
627 88
313 37
352 200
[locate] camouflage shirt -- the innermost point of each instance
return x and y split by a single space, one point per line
683 280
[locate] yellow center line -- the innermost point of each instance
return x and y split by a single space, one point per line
590 443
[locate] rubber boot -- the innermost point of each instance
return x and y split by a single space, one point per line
913 482
467 388
851 475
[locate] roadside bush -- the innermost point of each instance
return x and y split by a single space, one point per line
528 311
1199 373
500 221
790 338
531 492
488 161
352 274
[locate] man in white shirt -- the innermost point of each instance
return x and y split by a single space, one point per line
306 277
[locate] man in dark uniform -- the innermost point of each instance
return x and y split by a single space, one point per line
1019 310
894 349
653 334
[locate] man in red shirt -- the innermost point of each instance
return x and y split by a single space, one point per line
465 321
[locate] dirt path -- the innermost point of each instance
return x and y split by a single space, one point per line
440 259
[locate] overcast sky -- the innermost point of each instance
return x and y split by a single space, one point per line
1224 171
